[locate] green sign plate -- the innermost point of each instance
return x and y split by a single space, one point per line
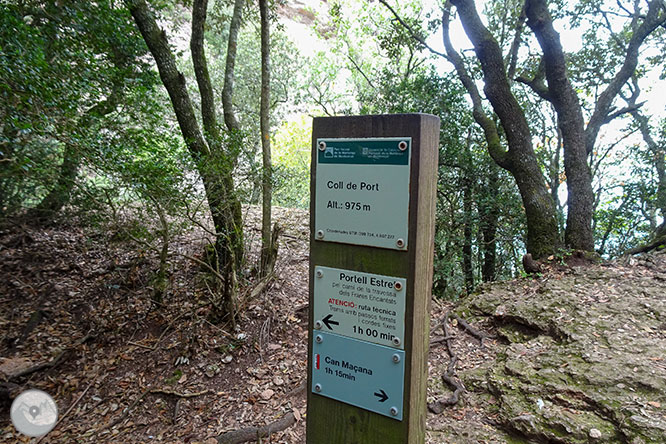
362 191
366 375
359 305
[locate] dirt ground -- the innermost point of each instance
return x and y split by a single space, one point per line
122 369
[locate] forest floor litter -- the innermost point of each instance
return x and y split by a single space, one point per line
77 321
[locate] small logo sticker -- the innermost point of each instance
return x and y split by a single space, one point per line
34 413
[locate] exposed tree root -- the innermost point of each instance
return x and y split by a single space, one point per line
297 391
179 395
449 377
439 339
478 334
256 433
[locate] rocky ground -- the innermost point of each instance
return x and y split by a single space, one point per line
580 355
573 355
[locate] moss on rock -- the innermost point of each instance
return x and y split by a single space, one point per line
584 359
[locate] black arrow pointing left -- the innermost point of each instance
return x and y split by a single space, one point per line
328 321
381 395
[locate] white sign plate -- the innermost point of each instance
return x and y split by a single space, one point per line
364 306
362 191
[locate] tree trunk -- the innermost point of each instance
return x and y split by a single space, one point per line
233 127
578 234
489 213
468 271
267 249
658 152
229 70
520 159
59 195
215 166
467 184
642 25
226 210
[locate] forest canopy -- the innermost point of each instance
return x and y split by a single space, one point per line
150 118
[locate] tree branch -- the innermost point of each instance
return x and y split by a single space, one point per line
491 134
257 433
173 80
232 47
626 110
654 18
515 45
414 35
199 10
537 83
360 70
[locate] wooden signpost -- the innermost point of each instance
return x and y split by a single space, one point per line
372 219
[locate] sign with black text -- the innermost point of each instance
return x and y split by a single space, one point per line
359 305
362 191
359 373
373 193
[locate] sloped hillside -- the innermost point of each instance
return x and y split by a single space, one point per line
578 357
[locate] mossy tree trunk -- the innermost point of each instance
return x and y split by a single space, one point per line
268 250
216 161
59 195
519 159
551 83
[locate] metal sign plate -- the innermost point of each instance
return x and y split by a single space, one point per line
359 305
362 191
359 373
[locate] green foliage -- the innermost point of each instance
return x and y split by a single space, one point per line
389 74
291 161
244 151
627 213
60 65
175 376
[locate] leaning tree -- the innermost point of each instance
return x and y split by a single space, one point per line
551 81
214 148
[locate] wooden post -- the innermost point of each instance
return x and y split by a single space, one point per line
357 275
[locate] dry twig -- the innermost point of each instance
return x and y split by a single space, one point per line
125 412
60 419
179 395
51 364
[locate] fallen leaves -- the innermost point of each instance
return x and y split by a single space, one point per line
267 394
225 379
